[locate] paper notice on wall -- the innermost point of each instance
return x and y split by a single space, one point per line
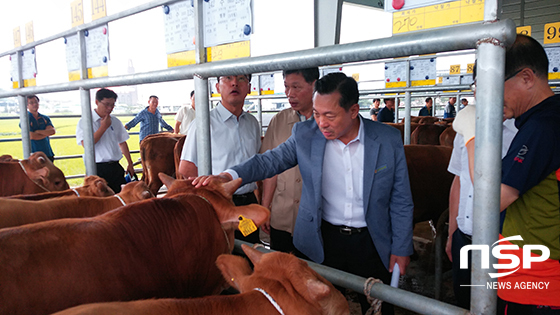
97 46
267 84
72 53
227 21
423 72
395 74
553 54
178 19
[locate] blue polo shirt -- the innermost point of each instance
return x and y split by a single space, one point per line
149 123
41 123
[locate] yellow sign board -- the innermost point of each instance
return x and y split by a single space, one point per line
524 30
438 15
98 9
229 51
77 12
17 37
455 69
98 72
356 76
29 38
181 59
552 33
470 68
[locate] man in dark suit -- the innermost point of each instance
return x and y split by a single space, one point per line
355 210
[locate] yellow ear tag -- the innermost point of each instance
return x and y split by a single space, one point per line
246 226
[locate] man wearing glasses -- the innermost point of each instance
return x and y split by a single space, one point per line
110 140
235 136
529 198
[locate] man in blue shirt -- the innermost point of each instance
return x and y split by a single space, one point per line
150 118
449 111
387 113
427 110
40 128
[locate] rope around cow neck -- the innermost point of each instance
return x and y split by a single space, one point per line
76 192
271 300
121 200
26 174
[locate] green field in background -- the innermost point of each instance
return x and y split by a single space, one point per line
9 129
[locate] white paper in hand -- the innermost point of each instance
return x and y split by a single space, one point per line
396 276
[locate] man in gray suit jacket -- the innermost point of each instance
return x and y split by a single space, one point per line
355 210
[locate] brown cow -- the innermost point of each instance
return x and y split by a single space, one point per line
296 288
447 136
34 175
177 156
426 134
156 153
428 120
400 127
15 212
429 180
93 186
156 248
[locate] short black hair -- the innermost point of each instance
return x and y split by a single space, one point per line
376 100
339 82
464 100
192 93
248 76
310 75
105 93
429 99
33 96
153 96
526 52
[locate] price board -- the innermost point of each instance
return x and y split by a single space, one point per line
229 51
553 54
395 74
17 37
423 72
524 30
551 33
451 80
438 15
98 9
29 37
77 12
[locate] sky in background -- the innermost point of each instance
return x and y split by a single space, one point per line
279 26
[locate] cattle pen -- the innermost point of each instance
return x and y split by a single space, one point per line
489 39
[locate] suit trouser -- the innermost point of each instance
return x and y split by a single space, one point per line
113 173
243 200
284 242
355 254
461 276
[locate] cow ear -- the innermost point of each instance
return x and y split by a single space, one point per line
146 194
317 289
41 173
253 254
231 186
235 269
166 179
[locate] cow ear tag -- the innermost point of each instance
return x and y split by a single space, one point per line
246 226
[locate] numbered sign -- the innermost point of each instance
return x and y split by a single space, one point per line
17 37
77 13
98 9
470 68
552 33
524 30
29 38
455 69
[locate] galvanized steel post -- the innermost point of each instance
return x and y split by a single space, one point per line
407 106
87 120
23 118
487 167
203 139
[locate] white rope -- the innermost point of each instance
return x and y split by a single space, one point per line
375 308
25 171
271 300
120 199
76 192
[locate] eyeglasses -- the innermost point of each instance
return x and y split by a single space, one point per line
240 78
473 85
108 105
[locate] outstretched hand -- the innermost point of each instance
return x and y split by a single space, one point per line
207 179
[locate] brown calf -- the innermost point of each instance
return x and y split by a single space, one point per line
93 186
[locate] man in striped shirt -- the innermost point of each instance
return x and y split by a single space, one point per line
150 118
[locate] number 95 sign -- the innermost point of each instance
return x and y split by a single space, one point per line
551 33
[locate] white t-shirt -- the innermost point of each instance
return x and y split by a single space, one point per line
459 165
107 148
185 115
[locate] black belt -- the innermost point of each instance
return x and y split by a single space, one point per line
344 230
107 163
247 195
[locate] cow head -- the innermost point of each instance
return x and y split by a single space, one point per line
219 195
95 186
135 191
43 172
296 288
